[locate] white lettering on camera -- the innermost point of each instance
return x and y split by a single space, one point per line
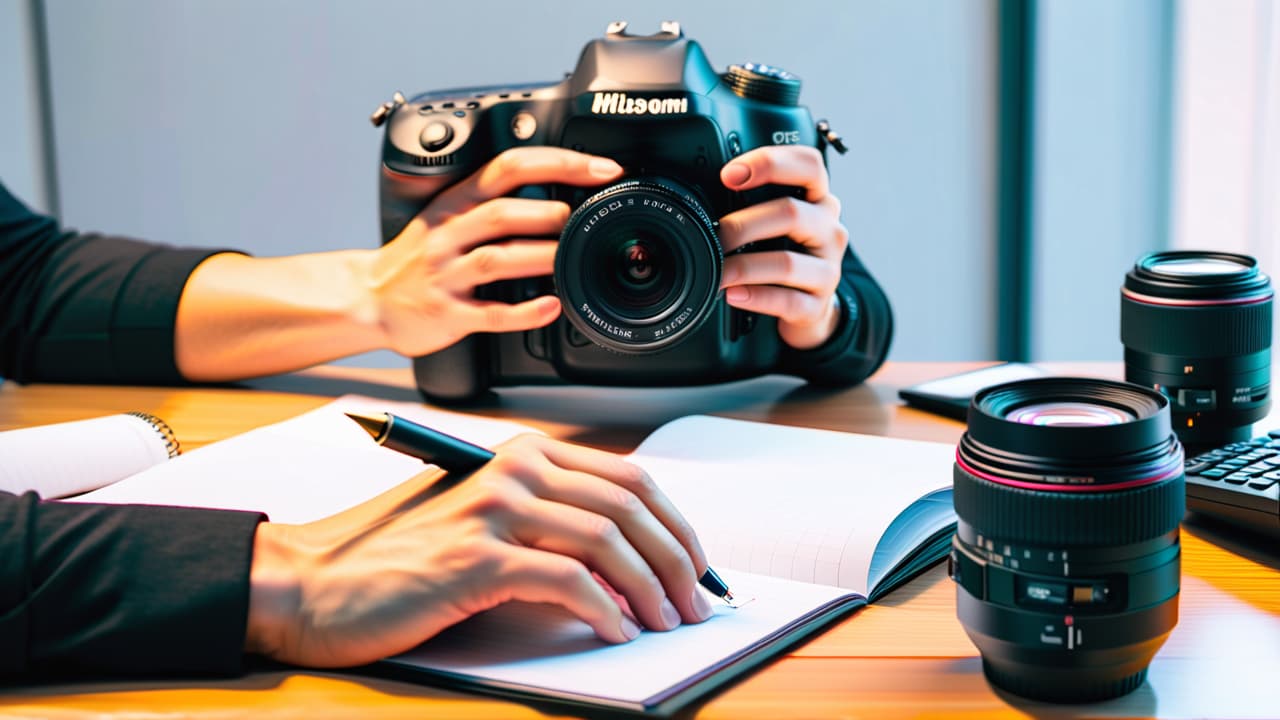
616 103
607 327
786 137
674 324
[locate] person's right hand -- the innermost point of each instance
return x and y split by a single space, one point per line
424 280
544 521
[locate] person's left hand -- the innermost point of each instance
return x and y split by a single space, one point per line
796 287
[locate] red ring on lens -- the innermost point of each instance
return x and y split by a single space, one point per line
1064 487
1175 302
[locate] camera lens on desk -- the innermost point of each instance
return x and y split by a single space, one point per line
1197 327
1066 555
638 266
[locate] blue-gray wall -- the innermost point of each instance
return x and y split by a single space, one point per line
1101 166
23 166
242 123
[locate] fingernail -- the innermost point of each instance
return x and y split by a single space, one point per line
670 615
629 628
736 294
603 167
701 606
735 174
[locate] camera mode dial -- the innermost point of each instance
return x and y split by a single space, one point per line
766 83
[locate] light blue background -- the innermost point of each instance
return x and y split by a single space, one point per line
244 124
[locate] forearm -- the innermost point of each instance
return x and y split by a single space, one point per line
243 317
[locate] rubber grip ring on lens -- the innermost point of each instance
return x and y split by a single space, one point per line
1212 331
1039 517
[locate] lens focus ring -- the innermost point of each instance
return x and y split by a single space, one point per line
1036 517
1212 331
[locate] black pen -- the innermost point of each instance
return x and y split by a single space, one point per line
455 455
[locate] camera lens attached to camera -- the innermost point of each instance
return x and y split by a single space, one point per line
638 266
1066 556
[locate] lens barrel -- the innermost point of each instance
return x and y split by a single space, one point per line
638 266
1066 557
1197 326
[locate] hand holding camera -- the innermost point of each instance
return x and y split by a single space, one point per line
424 281
798 288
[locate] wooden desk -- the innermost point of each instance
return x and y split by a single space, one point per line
905 656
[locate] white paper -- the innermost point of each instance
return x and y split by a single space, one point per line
74 457
809 505
299 470
542 646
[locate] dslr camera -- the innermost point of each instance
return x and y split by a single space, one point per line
638 264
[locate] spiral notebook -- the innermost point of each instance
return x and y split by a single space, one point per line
809 523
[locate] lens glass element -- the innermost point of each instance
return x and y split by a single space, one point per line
1199 266
638 266
1067 414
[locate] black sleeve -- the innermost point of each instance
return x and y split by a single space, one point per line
122 589
861 340
86 308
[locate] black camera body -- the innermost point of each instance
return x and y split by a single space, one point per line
638 265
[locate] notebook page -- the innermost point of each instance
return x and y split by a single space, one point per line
543 647
797 503
299 470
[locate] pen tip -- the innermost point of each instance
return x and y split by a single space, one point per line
372 424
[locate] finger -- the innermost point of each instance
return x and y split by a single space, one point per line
662 552
503 218
814 225
797 165
597 542
632 478
517 167
783 303
494 316
538 576
781 267
506 260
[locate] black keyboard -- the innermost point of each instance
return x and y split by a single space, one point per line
1239 483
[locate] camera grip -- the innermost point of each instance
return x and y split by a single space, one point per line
457 374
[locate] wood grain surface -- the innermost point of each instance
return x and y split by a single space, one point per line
906 656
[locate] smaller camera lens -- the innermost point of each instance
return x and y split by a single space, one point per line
1196 326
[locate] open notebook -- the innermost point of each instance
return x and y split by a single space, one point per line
808 522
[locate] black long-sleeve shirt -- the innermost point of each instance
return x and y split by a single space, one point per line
103 588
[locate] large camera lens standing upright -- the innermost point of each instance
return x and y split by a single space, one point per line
1197 327
1066 555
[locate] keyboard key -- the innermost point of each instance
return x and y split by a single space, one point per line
1256 468
1272 460
1262 483
1250 456
1235 447
1214 474
1265 452
1234 463
1275 434
1193 467
1273 475
1238 478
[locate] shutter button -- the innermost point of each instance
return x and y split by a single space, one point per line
435 136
